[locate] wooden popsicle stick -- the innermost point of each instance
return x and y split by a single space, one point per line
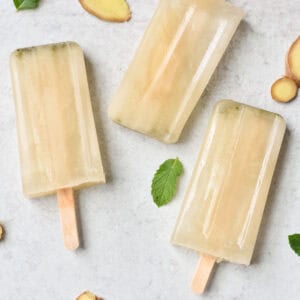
66 204
203 271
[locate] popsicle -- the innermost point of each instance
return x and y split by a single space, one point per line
57 137
224 203
173 64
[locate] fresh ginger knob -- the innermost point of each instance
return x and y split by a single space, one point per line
293 62
108 10
1 232
284 89
87 296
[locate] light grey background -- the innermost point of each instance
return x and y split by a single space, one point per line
126 253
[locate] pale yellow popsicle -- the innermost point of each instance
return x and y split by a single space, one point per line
225 200
172 66
57 137
58 143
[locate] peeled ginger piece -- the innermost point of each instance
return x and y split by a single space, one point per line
108 10
1 232
284 89
293 62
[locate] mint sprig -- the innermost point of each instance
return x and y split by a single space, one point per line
26 4
164 182
294 241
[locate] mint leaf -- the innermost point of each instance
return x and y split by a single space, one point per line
26 4
294 241
164 182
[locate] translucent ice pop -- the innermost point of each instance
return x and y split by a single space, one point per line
57 137
223 207
175 60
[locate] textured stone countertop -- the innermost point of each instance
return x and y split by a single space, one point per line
126 254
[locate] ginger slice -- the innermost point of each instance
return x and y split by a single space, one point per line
87 296
108 10
284 89
293 62
1 232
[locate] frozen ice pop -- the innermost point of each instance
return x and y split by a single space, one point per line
223 206
58 143
173 64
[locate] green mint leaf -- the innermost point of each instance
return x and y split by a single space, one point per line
294 241
164 182
26 4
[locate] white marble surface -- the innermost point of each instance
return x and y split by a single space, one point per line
126 253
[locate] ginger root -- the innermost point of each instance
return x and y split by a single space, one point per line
87 296
1 232
108 10
293 62
284 89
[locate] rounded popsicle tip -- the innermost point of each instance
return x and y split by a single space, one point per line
71 244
